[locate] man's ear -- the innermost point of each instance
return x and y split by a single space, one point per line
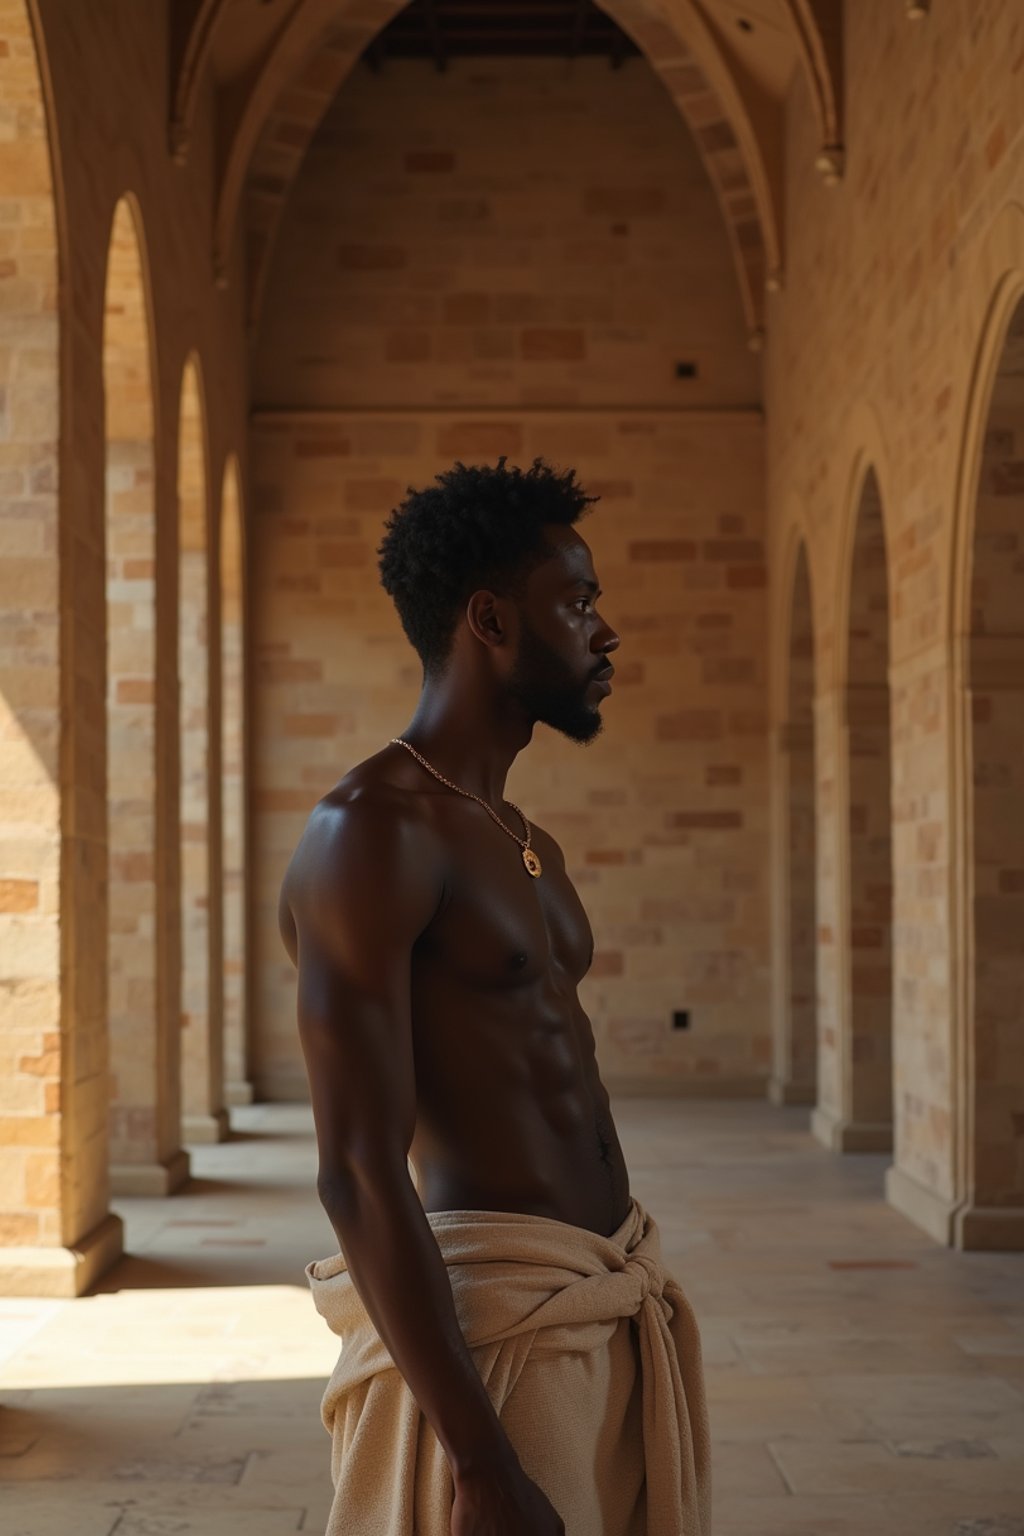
486 619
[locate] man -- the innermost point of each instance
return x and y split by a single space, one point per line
515 1361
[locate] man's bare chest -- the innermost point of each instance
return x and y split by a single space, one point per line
500 928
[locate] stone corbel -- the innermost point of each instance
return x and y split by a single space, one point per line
830 161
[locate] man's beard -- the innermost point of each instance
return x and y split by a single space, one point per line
550 692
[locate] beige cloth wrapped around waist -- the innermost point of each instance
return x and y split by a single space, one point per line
590 1353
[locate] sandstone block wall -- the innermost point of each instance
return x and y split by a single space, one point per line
540 244
515 258
71 148
882 349
511 232
30 657
663 819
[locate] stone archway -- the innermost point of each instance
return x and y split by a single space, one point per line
204 1117
795 1071
994 1215
238 1085
867 1053
53 1134
145 1149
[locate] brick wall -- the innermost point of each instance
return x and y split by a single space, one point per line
869 775
136 1092
202 1063
511 232
997 688
30 1003
55 1099
878 347
514 259
663 820
524 234
796 1063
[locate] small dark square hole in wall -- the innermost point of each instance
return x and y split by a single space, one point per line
686 370
681 1018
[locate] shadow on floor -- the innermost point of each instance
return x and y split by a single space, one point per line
140 1272
185 1456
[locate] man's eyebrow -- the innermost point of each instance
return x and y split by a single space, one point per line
584 581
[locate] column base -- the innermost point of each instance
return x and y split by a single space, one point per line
150 1179
62 1272
850 1135
239 1093
782 1092
972 1228
932 1212
990 1228
205 1130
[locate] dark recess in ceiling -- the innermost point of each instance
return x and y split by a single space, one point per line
439 30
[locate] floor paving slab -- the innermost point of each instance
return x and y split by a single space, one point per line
861 1381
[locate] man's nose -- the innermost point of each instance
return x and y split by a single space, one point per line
607 640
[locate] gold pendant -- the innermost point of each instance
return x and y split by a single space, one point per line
532 862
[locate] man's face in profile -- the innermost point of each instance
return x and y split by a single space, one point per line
561 642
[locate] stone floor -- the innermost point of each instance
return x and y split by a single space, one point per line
863 1382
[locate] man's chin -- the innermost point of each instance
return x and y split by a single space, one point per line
582 728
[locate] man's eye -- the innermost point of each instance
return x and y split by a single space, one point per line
585 601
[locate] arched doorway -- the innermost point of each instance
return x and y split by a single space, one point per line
795 1073
237 1086
204 1117
994 1216
867 1047
145 1153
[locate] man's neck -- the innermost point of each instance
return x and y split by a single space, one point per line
473 739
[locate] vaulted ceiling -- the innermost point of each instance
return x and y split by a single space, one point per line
274 67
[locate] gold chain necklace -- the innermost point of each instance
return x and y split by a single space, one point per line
530 859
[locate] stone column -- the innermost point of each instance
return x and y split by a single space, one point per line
831 1111
56 1233
795 989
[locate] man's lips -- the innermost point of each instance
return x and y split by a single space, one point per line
604 678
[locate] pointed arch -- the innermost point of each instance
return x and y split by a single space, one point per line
863 646
321 42
817 27
871 461
987 652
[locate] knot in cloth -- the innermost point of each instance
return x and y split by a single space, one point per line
589 1352
649 1273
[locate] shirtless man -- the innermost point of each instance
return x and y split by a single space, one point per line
437 974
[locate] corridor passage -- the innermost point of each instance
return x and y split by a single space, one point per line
863 1381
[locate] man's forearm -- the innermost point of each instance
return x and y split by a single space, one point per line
397 1269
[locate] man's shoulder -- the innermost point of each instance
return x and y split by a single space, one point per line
370 816
370 788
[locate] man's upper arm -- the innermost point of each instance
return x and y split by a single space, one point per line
365 883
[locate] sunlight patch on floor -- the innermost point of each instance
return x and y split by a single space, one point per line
154 1337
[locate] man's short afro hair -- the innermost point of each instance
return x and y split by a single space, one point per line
475 527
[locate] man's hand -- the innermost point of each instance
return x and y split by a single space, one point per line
495 1503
